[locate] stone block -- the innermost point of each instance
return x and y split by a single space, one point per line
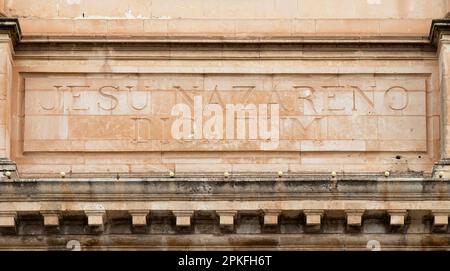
34 9
301 27
2 7
95 9
3 137
409 128
187 27
263 27
440 218
156 27
51 218
47 26
410 26
96 219
183 218
313 217
125 27
90 26
397 217
226 217
3 86
338 27
139 217
271 217
354 218
8 219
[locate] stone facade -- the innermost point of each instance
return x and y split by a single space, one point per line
204 124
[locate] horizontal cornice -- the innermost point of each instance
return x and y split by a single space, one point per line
211 39
219 188
12 26
438 28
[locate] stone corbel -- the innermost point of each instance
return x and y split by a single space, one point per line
8 220
397 217
271 217
440 220
183 218
96 219
313 217
354 218
313 220
51 218
139 217
226 218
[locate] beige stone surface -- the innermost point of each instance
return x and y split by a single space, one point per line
271 217
313 217
444 77
139 217
119 198
226 217
5 96
370 132
230 28
2 7
255 9
95 218
185 208
397 217
441 220
183 217
92 114
316 159
8 219
224 18
51 218
89 91
354 218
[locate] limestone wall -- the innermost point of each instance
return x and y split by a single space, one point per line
224 124
225 17
342 115
95 87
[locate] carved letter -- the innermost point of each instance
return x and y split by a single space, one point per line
130 99
184 95
331 95
247 94
76 98
215 98
137 130
395 102
306 96
113 100
363 95
56 103
306 123
276 99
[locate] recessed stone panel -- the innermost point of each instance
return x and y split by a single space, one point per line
230 112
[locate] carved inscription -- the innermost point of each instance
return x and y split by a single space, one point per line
207 112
